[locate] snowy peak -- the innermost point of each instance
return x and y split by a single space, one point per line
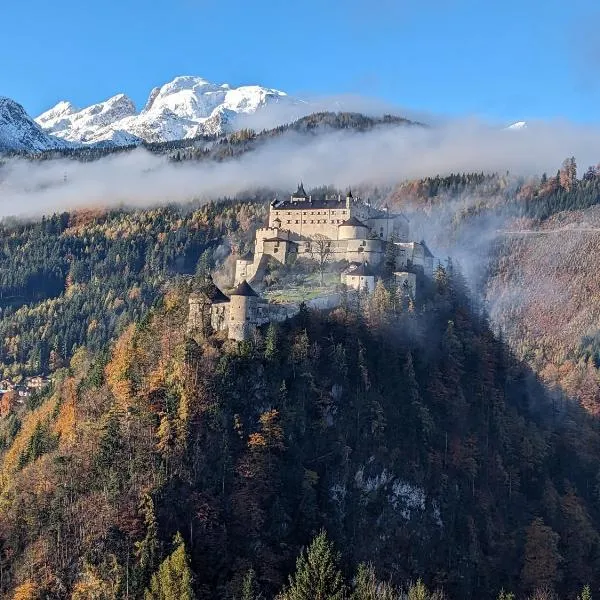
86 125
518 125
19 132
62 109
185 107
153 94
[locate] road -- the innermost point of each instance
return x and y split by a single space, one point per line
549 231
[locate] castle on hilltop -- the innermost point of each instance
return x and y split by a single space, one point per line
350 231
353 230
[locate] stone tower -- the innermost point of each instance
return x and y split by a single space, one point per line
243 307
207 308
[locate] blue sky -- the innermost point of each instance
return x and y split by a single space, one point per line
503 60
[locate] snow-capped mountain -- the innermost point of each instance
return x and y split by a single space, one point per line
91 124
518 125
183 108
18 131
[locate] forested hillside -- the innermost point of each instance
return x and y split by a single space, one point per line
412 437
532 249
78 278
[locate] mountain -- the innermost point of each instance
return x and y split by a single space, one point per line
413 438
19 132
518 125
183 108
91 124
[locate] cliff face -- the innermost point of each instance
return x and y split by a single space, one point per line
413 438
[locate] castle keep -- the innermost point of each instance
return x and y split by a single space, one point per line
352 233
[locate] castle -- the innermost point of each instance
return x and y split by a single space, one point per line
345 231
352 229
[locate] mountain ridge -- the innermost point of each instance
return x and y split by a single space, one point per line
18 131
185 107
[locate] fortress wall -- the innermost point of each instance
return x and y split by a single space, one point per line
325 302
278 250
244 269
219 316
387 228
359 282
351 232
195 314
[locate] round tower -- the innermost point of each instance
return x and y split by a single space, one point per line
242 312
352 229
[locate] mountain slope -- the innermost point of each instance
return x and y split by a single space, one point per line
531 249
430 460
19 132
183 108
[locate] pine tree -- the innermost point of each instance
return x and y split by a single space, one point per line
110 443
368 587
173 580
250 588
391 253
586 593
380 303
441 279
418 591
147 549
317 575
271 350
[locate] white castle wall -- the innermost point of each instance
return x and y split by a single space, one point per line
361 282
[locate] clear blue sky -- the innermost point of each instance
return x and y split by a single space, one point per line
501 59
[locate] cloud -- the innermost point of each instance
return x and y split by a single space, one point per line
381 157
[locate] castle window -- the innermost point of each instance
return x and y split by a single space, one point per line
276 249
297 221
288 222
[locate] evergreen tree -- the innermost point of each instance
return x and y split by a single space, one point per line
317 575
147 549
586 593
250 588
271 342
110 442
418 591
173 580
367 586
391 253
